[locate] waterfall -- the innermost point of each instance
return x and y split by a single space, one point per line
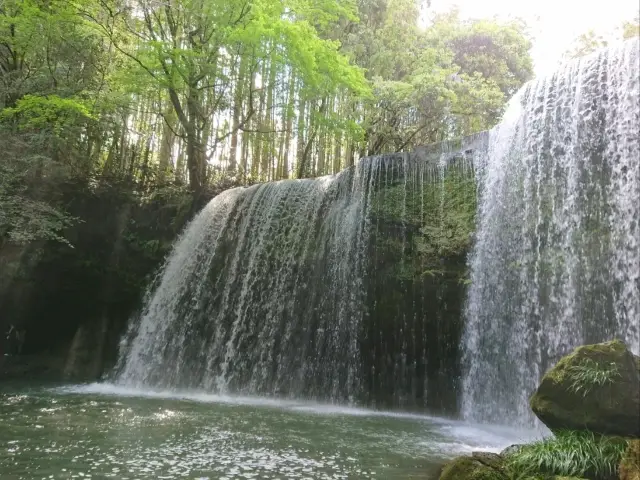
351 287
556 262
261 294
290 289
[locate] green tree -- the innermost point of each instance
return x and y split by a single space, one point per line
449 80
50 64
190 48
631 29
585 44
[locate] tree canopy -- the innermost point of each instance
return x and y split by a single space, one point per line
188 93
592 40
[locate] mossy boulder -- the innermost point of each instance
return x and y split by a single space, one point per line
511 449
630 465
596 388
478 466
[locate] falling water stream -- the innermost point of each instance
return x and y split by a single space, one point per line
262 294
267 291
556 262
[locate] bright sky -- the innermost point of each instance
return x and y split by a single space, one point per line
554 23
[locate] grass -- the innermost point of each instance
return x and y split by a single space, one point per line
589 374
571 454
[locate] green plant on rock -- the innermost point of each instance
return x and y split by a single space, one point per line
590 374
570 453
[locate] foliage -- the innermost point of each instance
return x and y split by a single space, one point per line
448 231
570 453
589 374
631 29
593 40
439 215
498 52
193 50
263 91
51 112
45 47
450 80
24 215
585 44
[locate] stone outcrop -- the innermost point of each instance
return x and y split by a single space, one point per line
595 388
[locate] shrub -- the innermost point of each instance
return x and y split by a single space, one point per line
589 374
570 453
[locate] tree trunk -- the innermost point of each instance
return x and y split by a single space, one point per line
179 172
288 129
166 144
196 165
337 154
267 144
238 97
300 132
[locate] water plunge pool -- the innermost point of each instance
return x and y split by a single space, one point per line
104 431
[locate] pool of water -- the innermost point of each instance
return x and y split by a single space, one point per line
102 431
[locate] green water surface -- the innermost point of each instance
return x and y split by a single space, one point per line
102 431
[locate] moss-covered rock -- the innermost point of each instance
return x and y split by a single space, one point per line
596 388
492 460
511 449
630 465
474 467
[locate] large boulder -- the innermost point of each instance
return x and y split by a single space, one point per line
630 465
597 388
478 466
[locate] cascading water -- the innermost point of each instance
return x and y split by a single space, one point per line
556 261
270 291
261 294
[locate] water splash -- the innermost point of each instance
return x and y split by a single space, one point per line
556 261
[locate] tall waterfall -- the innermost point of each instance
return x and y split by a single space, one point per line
268 291
556 261
261 294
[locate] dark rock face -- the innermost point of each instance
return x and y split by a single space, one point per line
596 388
45 367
